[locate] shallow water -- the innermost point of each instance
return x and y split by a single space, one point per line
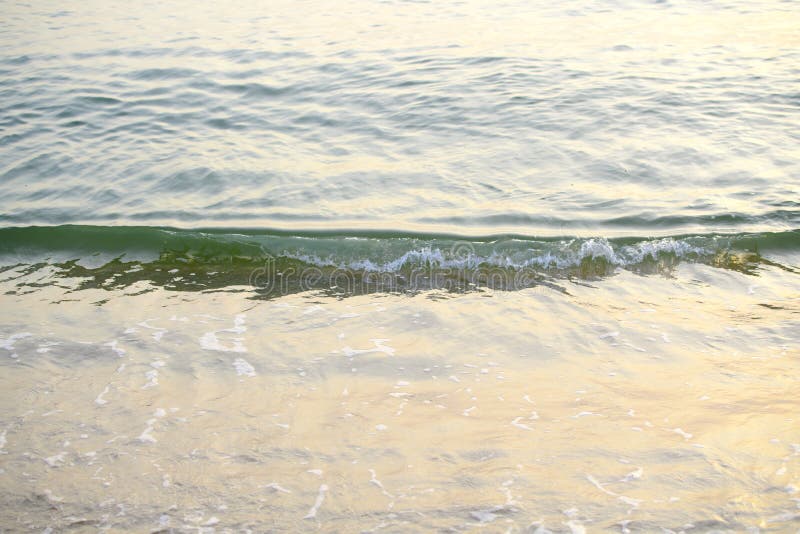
637 403
400 266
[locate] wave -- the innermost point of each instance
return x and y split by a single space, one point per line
116 257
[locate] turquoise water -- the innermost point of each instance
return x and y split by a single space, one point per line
274 264
400 266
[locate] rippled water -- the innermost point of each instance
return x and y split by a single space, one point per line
594 118
637 403
400 266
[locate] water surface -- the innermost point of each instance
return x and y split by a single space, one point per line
623 118
400 266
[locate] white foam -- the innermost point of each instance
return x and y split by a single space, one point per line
374 480
8 343
100 400
243 368
379 347
238 324
575 527
565 254
46 347
54 461
516 423
276 487
152 379
159 332
633 475
484 516
145 436
117 350
680 431
623 498
312 513
209 340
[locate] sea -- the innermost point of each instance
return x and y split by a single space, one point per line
400 266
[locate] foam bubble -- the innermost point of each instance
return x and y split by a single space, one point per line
541 254
243 368
145 436
680 431
152 379
209 340
8 343
54 461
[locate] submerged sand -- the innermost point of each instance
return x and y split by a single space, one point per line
631 404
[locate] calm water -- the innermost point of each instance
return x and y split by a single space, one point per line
400 266
596 118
